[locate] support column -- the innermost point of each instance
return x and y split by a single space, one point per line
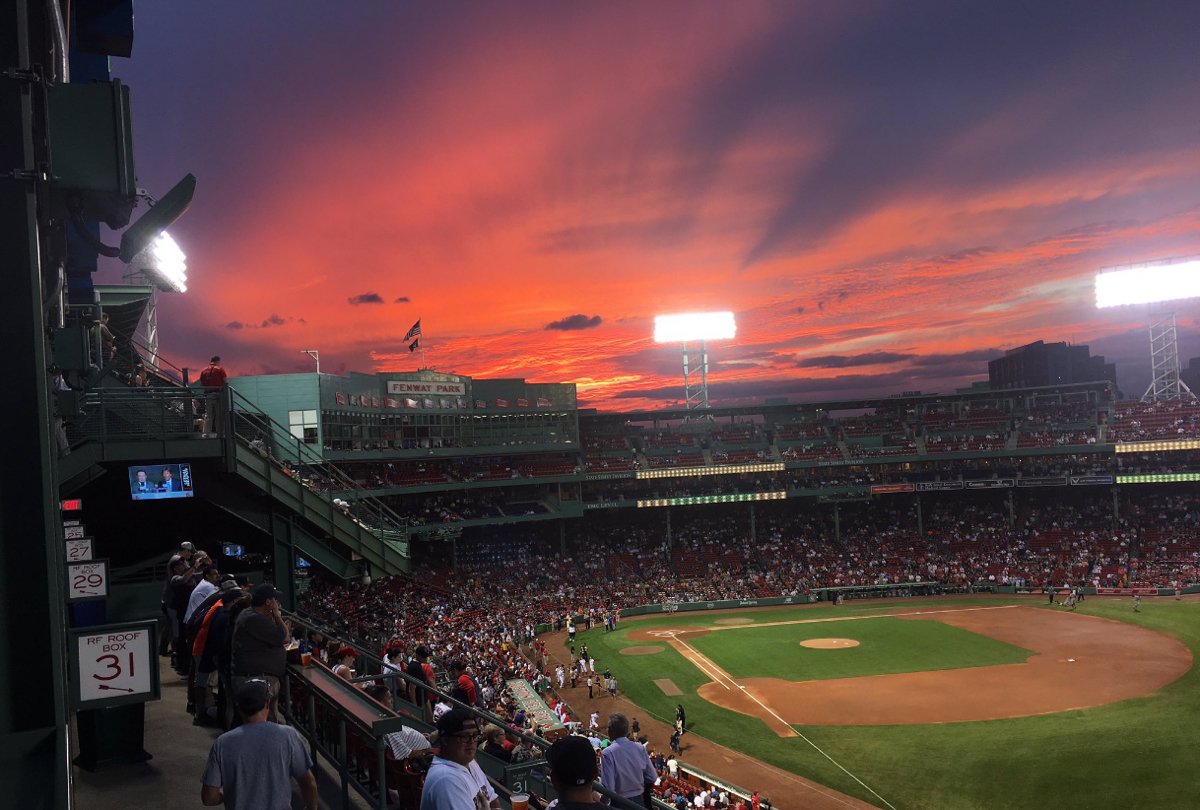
837 523
920 518
33 710
753 528
283 559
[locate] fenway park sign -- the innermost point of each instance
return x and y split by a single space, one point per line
451 389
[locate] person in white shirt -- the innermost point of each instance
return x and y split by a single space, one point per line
454 781
206 587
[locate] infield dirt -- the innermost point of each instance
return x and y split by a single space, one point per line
1113 661
1080 662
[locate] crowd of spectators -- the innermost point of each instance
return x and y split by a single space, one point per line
483 611
1156 420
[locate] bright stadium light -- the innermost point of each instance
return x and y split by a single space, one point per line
1148 283
1154 283
164 263
694 326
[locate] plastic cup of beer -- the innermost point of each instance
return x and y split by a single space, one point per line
305 659
520 801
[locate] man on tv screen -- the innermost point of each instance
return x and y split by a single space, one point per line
142 484
168 484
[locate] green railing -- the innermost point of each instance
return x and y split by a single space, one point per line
258 432
173 412
347 727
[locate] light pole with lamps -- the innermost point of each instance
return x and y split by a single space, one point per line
693 327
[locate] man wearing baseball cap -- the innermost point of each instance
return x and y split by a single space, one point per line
259 637
573 769
455 781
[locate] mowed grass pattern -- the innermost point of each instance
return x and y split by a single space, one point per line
886 646
1139 753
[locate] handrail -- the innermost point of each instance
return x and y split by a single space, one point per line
258 431
373 667
168 412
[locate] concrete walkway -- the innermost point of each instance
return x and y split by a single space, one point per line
172 778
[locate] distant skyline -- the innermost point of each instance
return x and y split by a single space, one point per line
886 194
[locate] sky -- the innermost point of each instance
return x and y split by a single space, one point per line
886 194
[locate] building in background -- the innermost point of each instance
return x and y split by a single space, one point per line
1040 364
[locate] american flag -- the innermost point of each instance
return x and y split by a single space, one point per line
414 330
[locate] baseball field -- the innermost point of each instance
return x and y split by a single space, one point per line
982 702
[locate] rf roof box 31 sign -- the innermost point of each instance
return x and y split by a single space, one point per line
115 664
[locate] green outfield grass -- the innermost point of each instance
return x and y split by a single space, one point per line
1135 754
886 646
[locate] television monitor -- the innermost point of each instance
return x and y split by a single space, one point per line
233 550
301 562
160 481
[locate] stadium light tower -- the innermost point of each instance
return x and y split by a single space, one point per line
694 327
1155 283
163 265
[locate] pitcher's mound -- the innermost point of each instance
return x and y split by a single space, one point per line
647 650
829 643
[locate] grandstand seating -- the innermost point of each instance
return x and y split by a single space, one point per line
1150 421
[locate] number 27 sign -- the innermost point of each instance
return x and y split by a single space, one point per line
115 664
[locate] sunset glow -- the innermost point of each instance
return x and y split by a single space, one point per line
884 195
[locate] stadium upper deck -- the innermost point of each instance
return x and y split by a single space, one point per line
445 449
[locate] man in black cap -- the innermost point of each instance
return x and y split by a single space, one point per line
251 767
455 781
259 637
573 769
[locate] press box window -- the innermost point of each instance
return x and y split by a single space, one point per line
303 425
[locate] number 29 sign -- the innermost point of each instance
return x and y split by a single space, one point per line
87 580
115 664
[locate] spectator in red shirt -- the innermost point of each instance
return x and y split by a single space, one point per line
458 670
213 379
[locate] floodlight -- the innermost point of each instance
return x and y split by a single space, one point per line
164 263
694 326
1155 283
138 236
1148 283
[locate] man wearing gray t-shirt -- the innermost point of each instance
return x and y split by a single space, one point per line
251 767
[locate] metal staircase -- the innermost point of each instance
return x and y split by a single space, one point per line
115 424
